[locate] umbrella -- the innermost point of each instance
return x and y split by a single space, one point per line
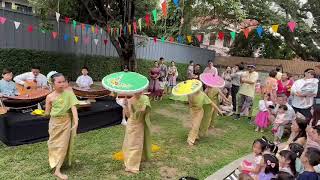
125 82
187 87
212 80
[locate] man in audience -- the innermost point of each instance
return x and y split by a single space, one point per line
190 71
235 81
283 100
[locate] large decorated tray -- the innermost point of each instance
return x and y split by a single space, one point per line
187 87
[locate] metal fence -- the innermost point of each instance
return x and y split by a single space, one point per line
21 38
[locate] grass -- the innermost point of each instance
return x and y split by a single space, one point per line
93 151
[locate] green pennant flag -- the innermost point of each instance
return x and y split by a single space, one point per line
155 18
74 24
233 35
162 39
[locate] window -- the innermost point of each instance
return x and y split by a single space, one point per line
23 8
8 5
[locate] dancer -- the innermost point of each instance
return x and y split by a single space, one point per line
63 124
137 140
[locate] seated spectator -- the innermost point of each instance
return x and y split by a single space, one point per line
309 159
298 133
226 104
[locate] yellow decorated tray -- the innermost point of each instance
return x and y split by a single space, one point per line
187 87
38 112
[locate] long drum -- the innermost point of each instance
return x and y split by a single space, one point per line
31 98
95 91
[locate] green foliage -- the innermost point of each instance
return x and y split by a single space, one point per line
20 61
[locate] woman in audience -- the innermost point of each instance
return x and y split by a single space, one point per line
271 86
285 84
226 75
298 133
154 86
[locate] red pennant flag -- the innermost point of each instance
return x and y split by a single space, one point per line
3 20
115 31
134 27
148 20
155 39
246 32
67 20
105 41
164 8
171 39
108 29
30 28
83 26
221 36
97 30
199 37
54 35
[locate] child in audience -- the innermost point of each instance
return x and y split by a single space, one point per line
7 86
254 168
163 83
262 119
298 150
279 122
271 147
283 176
226 104
244 176
84 81
270 167
287 162
310 158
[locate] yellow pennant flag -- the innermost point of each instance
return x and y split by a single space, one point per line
76 39
275 28
189 39
129 28
92 29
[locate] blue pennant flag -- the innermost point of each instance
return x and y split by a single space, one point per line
176 2
260 31
179 39
87 27
66 37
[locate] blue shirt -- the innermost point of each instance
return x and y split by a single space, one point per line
309 176
8 88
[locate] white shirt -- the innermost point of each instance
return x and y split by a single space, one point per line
263 105
84 81
303 102
29 76
290 114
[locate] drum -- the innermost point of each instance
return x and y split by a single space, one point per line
95 91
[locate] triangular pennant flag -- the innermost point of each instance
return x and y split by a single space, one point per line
92 29
108 29
199 37
221 36
86 40
105 41
246 32
83 26
125 30
97 30
96 41
147 21
292 25
176 2
134 27
233 35
87 27
66 20
260 31
139 23
309 22
162 39
43 31
189 38
129 28
16 24
275 28
101 31
57 16
3 20
66 37
155 16
171 39
74 24
179 38
120 30
54 35
164 8
30 28
76 39
155 39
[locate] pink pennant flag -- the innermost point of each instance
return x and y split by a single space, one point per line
108 29
105 41
292 25
155 39
246 32
199 37
30 28
221 36
86 40
97 30
3 20
54 35
67 20
134 27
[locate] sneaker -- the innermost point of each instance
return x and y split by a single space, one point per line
123 122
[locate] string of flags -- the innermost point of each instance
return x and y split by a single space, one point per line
136 26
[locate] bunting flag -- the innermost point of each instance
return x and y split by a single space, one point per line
171 39
43 31
92 29
101 31
16 24
83 26
292 25
65 37
155 16
189 38
66 20
147 21
96 41
139 23
54 35
30 28
275 28
57 16
176 2
87 27
155 39
76 39
179 38
108 29
134 27
111 31
97 30
129 29
162 40
105 41
199 37
3 20
246 32
233 35
74 24
164 8
310 22
259 31
86 40
221 36
125 30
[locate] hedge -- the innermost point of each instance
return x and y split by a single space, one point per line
21 60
